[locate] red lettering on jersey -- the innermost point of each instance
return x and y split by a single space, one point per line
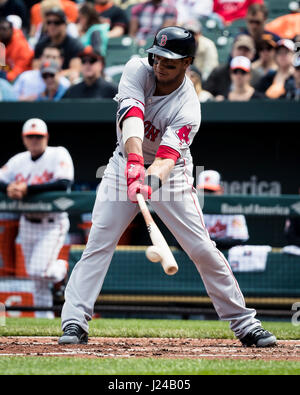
151 132
44 178
183 134
20 178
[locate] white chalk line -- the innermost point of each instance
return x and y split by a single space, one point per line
80 352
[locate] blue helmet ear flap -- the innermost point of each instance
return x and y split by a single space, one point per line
151 59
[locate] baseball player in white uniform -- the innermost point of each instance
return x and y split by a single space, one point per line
157 120
41 235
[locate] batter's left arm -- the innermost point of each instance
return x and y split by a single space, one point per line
161 168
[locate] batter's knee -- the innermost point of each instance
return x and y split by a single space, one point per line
204 251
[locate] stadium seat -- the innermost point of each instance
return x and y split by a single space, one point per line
141 50
224 46
236 27
120 50
277 8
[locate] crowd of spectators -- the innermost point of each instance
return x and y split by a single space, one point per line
57 49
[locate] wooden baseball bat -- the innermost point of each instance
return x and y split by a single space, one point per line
167 261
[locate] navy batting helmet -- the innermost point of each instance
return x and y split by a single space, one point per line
173 42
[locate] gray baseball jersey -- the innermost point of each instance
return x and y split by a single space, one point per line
171 120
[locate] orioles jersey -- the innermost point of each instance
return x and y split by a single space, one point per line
55 164
172 120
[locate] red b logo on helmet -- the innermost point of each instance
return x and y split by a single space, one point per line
163 40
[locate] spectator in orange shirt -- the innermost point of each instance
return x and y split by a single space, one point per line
18 52
286 26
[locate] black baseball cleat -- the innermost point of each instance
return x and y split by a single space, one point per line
259 337
73 334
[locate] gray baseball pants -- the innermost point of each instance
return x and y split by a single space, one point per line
178 207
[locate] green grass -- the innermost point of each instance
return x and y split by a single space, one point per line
143 328
143 366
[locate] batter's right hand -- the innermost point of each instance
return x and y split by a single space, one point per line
137 187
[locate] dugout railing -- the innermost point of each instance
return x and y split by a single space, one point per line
270 279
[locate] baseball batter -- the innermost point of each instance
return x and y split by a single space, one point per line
41 236
157 120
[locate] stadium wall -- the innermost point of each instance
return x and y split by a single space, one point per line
251 144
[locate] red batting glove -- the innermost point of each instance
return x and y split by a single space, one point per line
135 169
135 175
137 187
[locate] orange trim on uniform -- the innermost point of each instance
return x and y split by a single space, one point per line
34 132
242 68
211 187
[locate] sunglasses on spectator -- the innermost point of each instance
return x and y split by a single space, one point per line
54 22
255 22
48 75
239 71
89 60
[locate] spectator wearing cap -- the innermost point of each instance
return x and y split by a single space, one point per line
287 26
15 7
91 31
93 85
241 90
56 33
206 58
54 90
114 16
147 18
292 85
18 52
273 84
38 28
256 20
266 57
219 81
36 12
196 77
30 84
225 230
